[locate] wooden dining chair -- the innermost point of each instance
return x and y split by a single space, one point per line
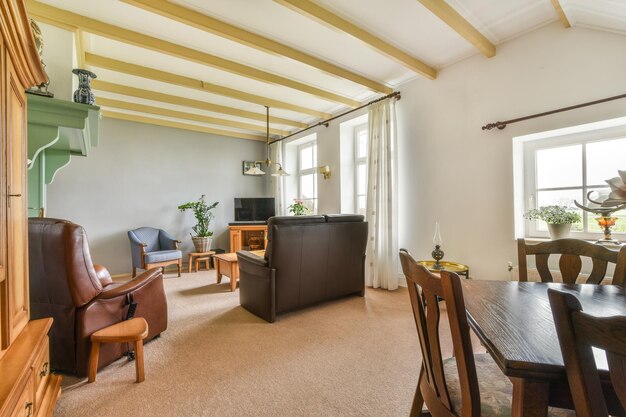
578 332
570 262
450 387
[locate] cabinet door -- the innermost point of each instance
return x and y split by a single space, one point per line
16 222
4 296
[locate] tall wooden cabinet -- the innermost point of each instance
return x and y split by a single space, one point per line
27 388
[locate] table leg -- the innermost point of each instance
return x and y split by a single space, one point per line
189 259
218 266
93 361
530 398
139 361
233 282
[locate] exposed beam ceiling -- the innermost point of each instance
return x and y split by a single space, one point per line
188 102
452 18
559 11
142 108
179 125
80 48
167 77
310 9
51 14
245 37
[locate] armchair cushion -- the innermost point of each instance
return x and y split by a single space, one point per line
162 256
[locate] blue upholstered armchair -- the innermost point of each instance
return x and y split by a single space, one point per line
152 247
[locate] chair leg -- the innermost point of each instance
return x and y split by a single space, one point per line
139 360
93 361
418 399
180 266
134 272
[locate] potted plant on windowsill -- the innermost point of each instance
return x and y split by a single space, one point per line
204 215
558 218
298 208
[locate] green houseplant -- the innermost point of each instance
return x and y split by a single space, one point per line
558 218
298 208
203 214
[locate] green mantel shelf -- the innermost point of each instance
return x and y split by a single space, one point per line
57 129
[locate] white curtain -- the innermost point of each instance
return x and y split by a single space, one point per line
277 184
381 263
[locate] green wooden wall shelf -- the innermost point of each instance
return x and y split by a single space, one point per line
57 129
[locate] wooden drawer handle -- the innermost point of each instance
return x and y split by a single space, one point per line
44 370
29 407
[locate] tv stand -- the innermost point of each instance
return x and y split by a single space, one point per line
247 236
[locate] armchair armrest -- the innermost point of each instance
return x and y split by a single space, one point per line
103 275
132 285
246 256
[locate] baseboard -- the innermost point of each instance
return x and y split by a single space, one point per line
170 269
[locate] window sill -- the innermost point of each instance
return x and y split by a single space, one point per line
543 239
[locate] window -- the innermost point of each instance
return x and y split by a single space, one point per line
562 169
360 165
307 175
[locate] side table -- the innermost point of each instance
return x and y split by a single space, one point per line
192 255
447 266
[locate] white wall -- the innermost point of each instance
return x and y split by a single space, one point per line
453 172
59 56
139 174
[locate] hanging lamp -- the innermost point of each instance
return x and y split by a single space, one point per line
255 169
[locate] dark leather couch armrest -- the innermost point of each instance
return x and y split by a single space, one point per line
245 256
132 285
103 275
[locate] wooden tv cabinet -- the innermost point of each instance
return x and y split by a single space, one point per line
240 237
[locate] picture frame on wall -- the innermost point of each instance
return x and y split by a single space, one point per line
249 164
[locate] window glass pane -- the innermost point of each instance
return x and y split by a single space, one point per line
361 144
600 195
361 203
361 179
307 186
306 157
604 159
560 198
559 167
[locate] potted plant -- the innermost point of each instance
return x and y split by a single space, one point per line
298 208
204 215
558 218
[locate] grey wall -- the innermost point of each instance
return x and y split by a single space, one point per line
139 174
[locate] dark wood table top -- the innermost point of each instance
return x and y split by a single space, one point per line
514 322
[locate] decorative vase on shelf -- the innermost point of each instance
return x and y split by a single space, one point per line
83 93
202 244
559 231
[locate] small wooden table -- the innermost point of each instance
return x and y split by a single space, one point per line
447 266
193 255
133 330
226 264
514 322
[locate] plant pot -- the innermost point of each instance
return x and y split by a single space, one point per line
559 231
202 244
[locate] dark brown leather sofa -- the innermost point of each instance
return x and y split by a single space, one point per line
308 259
81 297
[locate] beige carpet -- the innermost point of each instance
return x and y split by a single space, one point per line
351 357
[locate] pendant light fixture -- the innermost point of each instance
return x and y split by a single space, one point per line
255 169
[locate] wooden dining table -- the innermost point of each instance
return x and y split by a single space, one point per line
513 320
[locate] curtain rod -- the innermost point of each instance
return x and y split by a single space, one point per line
502 125
395 94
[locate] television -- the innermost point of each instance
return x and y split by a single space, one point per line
254 209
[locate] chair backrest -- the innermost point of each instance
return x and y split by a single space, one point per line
570 262
149 236
578 332
426 292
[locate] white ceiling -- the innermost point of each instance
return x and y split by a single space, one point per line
405 24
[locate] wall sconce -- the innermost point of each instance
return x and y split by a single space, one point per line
325 171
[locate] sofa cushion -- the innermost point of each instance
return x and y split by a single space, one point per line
334 218
162 256
287 220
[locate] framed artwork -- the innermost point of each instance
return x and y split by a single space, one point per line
249 164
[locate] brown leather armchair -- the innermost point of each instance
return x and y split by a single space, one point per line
308 259
82 297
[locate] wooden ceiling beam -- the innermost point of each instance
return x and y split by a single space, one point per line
237 34
44 12
312 10
167 77
179 125
188 102
561 13
80 48
452 18
143 108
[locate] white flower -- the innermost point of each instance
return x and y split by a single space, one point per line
618 190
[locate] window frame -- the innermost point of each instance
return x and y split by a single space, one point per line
307 171
531 191
358 161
